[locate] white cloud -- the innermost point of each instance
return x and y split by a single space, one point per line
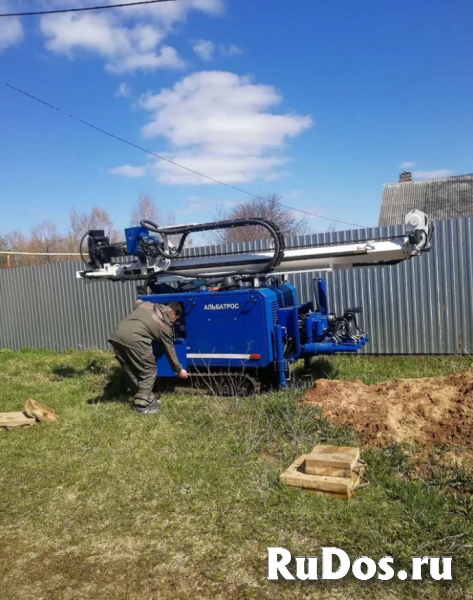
193 208
232 50
439 174
11 29
407 164
197 206
123 91
276 175
129 171
167 57
229 168
11 32
218 123
294 194
215 7
222 111
129 39
124 48
170 13
204 49
96 32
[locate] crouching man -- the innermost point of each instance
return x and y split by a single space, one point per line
132 339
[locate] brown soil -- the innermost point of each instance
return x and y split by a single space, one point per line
437 410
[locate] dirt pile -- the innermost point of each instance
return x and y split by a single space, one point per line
437 410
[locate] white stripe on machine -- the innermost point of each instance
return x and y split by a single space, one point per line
240 356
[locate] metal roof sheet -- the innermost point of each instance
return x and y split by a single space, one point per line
448 198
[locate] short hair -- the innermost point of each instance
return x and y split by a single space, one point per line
176 307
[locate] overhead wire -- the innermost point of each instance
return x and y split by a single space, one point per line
170 161
14 253
81 9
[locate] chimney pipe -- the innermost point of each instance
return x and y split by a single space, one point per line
405 177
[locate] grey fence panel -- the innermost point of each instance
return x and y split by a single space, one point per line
47 307
420 306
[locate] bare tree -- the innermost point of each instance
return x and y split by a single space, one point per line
98 218
19 243
78 225
175 239
267 207
145 209
16 240
45 238
3 257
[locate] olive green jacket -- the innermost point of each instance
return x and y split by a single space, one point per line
149 322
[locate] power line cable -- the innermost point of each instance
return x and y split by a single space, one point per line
168 160
83 8
14 253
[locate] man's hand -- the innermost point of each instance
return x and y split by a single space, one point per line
183 374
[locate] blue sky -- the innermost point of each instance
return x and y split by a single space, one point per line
320 102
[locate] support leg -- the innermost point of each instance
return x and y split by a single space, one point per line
280 362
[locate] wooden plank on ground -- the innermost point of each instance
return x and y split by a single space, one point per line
15 419
295 476
318 482
332 472
337 457
346 496
40 411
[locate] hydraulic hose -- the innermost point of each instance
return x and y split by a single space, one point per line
80 249
185 230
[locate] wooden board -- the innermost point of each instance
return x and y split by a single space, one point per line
40 411
330 471
295 476
297 466
346 496
15 419
336 457
323 483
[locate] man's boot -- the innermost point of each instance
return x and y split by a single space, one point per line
149 409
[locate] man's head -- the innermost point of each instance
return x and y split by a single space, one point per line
176 310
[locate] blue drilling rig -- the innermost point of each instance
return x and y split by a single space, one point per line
242 325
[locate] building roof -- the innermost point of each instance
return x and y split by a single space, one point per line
447 198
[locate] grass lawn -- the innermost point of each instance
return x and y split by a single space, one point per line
107 504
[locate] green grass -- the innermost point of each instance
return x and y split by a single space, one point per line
106 504
372 370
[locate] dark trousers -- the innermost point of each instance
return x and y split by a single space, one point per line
139 364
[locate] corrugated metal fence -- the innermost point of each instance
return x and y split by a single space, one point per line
421 306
